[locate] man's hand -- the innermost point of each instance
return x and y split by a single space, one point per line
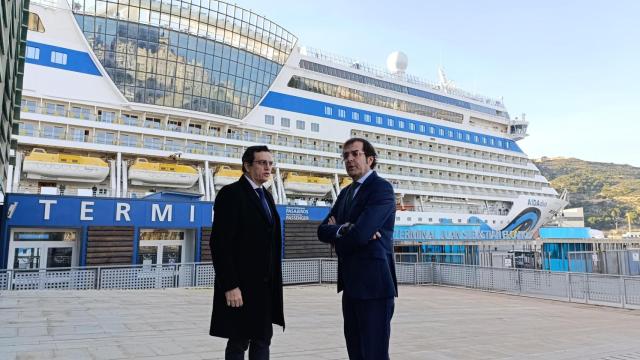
234 297
376 236
332 220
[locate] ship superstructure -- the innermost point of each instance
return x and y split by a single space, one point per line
122 99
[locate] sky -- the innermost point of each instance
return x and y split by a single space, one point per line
573 67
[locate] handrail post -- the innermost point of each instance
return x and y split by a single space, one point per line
623 297
415 273
587 291
99 278
320 271
569 288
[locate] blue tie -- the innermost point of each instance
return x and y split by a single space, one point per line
350 194
265 205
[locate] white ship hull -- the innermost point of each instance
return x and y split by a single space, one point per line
428 145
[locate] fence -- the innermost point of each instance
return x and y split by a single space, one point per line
609 290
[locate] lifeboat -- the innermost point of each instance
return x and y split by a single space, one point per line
143 172
311 185
225 175
64 167
345 182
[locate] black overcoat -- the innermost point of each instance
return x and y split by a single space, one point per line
246 251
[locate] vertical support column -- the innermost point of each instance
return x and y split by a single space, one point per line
17 172
9 180
207 188
112 177
125 186
336 183
201 185
283 195
212 186
118 174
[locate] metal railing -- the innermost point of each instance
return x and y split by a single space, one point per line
608 290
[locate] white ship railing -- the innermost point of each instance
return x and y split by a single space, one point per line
381 73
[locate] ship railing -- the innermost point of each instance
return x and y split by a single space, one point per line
586 288
412 79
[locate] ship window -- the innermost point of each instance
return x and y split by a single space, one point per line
390 122
342 113
106 116
367 118
80 112
507 144
451 133
441 132
285 122
35 24
401 124
300 125
55 109
355 116
422 128
268 119
467 137
432 130
33 52
195 128
476 138
129 119
379 120
491 141
315 127
152 123
58 58
328 110
484 140
412 126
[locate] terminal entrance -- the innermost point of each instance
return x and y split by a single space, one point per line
42 249
161 246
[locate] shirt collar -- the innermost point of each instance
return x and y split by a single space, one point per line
362 179
252 183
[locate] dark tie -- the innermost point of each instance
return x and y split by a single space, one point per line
349 197
265 205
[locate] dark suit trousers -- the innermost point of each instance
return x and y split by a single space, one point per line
367 327
258 349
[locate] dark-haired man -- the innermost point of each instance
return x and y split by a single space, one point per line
360 225
245 246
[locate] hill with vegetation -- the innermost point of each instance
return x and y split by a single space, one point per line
608 192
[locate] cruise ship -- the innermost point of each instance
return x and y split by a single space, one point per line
127 98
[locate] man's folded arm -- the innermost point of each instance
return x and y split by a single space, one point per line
380 206
225 221
327 232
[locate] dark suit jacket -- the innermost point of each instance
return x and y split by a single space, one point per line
366 268
246 251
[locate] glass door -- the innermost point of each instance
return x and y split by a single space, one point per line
43 248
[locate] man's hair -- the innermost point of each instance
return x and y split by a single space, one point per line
366 147
250 154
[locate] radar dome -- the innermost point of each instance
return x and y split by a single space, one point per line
397 62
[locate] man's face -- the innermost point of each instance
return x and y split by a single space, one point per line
260 170
355 162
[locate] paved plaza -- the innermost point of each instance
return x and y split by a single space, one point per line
429 323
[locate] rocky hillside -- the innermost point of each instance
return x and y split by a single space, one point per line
608 192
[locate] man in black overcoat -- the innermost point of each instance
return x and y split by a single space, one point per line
246 248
